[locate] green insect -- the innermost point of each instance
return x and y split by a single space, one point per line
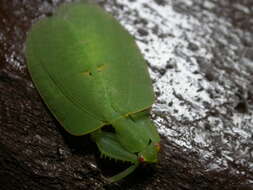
90 73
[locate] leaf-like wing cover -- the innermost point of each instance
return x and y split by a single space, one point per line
87 68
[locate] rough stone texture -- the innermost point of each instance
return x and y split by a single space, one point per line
200 59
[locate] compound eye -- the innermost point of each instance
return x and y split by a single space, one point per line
141 159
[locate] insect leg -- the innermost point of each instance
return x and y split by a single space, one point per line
110 147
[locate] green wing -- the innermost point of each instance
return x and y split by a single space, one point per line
87 68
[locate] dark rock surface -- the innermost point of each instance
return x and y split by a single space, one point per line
200 59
